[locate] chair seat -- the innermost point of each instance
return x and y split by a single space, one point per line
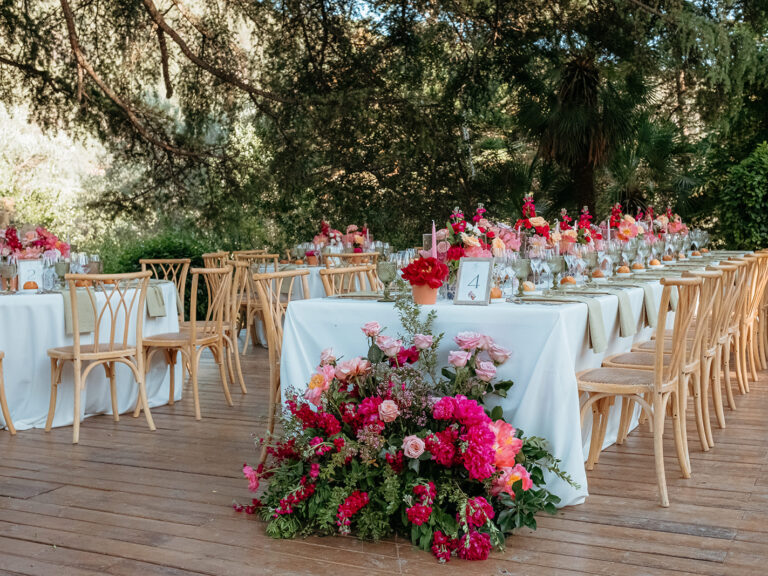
616 380
68 352
639 360
650 346
178 339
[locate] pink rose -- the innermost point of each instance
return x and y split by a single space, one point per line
413 446
468 340
486 371
499 354
327 357
459 358
388 345
371 329
441 234
422 341
388 411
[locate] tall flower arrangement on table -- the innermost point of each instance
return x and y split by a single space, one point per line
356 237
535 228
31 244
384 443
328 236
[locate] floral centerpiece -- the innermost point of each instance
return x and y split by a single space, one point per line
425 275
385 444
32 244
357 238
534 227
328 236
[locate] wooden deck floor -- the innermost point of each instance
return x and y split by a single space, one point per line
129 501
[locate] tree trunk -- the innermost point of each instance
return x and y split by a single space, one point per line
584 186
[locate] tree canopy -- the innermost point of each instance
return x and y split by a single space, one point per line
259 118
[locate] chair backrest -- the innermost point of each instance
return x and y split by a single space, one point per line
215 259
241 288
173 269
236 253
688 293
117 304
259 262
274 290
758 278
725 301
217 282
748 274
347 259
350 279
710 295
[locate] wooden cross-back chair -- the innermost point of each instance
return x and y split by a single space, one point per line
215 259
655 390
719 338
236 253
749 333
117 303
351 279
741 326
275 290
260 262
172 269
346 259
242 286
3 402
199 333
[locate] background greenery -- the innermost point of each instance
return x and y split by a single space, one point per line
245 123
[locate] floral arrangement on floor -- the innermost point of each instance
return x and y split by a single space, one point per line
386 444
32 244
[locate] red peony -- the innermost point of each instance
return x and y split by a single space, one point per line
426 272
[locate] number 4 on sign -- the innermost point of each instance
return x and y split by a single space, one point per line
475 282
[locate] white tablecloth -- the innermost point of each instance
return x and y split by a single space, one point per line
548 343
34 323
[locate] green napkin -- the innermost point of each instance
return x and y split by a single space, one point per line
85 313
155 302
626 317
595 326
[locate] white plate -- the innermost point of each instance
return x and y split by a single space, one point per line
623 274
29 290
655 266
600 280
533 293
639 270
498 300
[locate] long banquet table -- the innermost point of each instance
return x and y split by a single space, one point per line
33 323
548 343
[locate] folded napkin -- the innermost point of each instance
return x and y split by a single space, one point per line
595 326
85 314
626 317
155 302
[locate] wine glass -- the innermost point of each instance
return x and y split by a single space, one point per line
387 272
522 267
556 264
8 273
61 268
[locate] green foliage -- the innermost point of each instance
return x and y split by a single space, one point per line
744 219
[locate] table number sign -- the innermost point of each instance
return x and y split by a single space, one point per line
30 271
473 283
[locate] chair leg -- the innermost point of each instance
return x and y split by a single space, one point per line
753 352
680 447
717 391
54 387
705 368
698 411
741 362
599 417
109 370
726 364
658 447
4 404
145 402
737 360
239 368
627 410
194 364
170 358
248 323
230 368
78 387
218 353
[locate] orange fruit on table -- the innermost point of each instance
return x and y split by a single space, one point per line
568 280
705 250
495 292
623 270
528 286
598 274
667 258
638 266
695 253
30 285
82 283
654 262
299 262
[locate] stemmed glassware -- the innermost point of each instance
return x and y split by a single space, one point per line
61 268
522 267
387 272
556 264
8 272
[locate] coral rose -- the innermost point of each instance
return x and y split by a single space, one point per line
509 476
505 444
388 411
355 367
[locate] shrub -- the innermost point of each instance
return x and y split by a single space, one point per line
744 202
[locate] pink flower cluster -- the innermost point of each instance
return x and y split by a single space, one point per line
304 491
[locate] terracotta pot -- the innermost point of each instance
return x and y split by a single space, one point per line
424 294
312 260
